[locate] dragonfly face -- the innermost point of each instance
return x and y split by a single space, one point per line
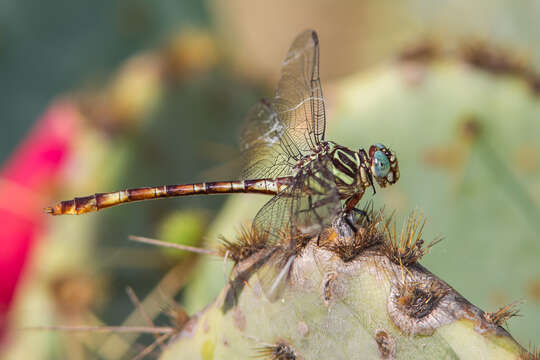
383 165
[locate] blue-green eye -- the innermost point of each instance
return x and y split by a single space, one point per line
380 164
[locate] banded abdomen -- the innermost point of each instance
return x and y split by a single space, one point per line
82 205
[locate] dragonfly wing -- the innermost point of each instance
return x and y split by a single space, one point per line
263 157
273 275
279 132
302 209
298 98
274 218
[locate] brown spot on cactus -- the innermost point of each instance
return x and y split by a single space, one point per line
386 345
417 300
500 61
490 58
413 61
422 52
327 287
470 128
414 305
239 319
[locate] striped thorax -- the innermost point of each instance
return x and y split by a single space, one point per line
354 171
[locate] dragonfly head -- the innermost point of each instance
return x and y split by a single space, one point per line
383 165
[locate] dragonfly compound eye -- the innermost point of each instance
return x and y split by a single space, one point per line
380 164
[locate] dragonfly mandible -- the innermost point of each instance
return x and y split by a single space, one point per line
286 155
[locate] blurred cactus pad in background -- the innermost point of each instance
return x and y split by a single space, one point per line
159 93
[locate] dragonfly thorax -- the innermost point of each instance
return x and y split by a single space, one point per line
350 170
355 171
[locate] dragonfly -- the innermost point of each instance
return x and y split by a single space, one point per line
286 155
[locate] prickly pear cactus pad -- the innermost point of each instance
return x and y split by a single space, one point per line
344 297
465 128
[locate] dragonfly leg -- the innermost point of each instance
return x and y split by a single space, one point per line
351 202
363 213
350 208
314 205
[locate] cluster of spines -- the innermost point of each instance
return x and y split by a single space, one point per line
366 236
278 351
377 233
248 242
505 313
418 299
406 247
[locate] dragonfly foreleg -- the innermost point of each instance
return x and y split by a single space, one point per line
351 202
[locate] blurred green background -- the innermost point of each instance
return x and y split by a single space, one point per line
52 49
163 87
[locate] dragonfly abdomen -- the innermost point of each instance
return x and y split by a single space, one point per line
82 205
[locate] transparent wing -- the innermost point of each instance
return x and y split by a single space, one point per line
275 217
303 209
274 273
279 132
298 99
262 154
